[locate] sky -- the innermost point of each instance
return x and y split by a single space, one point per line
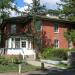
50 4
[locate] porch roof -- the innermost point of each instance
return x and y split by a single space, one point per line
21 35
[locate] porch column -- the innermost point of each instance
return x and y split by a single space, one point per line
30 45
27 44
13 42
6 44
9 43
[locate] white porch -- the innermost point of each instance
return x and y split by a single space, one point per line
20 45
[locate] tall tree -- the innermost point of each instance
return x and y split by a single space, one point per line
5 6
68 9
35 11
53 12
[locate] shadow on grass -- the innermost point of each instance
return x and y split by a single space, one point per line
55 71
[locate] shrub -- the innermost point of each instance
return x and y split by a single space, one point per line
4 60
17 59
55 54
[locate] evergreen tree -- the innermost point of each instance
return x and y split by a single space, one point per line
68 9
35 11
53 12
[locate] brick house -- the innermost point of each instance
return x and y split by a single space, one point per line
53 32
18 39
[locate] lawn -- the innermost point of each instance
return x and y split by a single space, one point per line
14 68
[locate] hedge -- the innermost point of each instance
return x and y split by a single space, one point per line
55 54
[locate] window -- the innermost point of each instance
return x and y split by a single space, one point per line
13 28
56 27
56 43
38 25
23 44
17 42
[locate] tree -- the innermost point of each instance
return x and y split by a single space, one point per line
5 6
68 9
70 36
35 11
53 12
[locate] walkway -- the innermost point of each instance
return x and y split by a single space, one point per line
38 63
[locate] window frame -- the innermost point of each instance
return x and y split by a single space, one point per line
56 28
56 43
18 42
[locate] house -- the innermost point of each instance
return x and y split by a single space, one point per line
17 35
53 32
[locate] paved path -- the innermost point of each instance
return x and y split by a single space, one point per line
38 63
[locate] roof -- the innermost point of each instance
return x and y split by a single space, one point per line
15 20
24 19
56 20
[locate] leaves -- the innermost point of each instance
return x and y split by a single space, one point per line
5 6
70 35
68 8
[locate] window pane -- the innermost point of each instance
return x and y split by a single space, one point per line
24 44
38 25
13 28
17 42
55 27
56 43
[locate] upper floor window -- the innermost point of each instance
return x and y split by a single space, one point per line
56 43
56 27
38 25
13 28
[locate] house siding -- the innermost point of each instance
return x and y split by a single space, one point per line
49 35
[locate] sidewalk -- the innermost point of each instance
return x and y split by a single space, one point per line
38 63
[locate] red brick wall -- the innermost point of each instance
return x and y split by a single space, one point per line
49 35
20 28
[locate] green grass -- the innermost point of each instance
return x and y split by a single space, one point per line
62 65
14 68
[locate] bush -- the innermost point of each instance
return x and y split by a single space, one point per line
4 60
18 59
55 54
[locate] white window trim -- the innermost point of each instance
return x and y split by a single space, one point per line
58 43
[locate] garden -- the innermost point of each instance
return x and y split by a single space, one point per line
11 64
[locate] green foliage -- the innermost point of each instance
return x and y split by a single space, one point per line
68 8
53 12
54 54
11 59
14 68
70 35
36 8
6 5
18 59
